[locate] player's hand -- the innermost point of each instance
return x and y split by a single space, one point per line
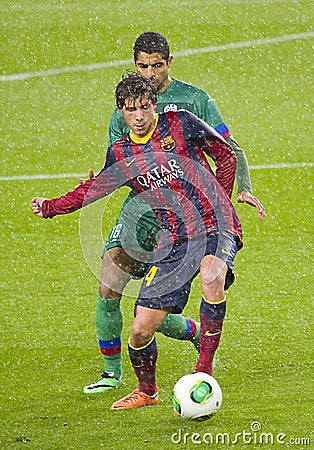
36 205
246 197
91 176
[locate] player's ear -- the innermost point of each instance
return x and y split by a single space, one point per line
170 59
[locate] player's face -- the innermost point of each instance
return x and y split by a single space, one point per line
139 115
155 68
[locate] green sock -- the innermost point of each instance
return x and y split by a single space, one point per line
109 327
179 327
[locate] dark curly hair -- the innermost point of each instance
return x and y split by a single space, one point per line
151 42
134 86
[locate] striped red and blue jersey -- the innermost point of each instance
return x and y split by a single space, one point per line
171 173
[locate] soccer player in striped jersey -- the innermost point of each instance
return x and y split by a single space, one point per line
163 160
152 59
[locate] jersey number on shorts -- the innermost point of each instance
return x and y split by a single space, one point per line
150 275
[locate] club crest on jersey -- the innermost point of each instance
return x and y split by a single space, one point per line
170 107
167 144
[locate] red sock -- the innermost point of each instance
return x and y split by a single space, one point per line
209 341
144 364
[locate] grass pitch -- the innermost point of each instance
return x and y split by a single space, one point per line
55 122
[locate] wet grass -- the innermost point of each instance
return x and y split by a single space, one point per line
58 124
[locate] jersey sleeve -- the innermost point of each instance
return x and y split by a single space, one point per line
68 203
209 111
106 181
117 127
225 160
243 178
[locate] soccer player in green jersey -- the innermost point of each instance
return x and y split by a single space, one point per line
134 236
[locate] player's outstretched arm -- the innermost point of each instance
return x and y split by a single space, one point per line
85 193
247 197
70 202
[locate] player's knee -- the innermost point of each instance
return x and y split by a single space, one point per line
214 291
140 336
112 290
213 271
213 278
106 290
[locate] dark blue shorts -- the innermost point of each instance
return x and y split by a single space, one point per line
167 283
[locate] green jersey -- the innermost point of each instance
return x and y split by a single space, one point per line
179 95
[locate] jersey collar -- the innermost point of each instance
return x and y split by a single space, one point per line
146 138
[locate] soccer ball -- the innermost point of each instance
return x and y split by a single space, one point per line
196 396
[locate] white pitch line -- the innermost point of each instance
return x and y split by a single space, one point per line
235 45
79 175
70 69
42 176
183 53
283 166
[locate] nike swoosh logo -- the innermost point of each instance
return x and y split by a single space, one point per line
225 252
212 334
128 163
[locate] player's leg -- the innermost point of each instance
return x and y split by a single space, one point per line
117 269
126 239
115 274
142 346
143 355
216 276
212 311
177 326
161 292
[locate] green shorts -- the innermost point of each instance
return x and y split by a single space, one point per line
137 228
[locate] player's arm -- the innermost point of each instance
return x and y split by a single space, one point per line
245 193
85 193
243 178
68 203
225 160
209 112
